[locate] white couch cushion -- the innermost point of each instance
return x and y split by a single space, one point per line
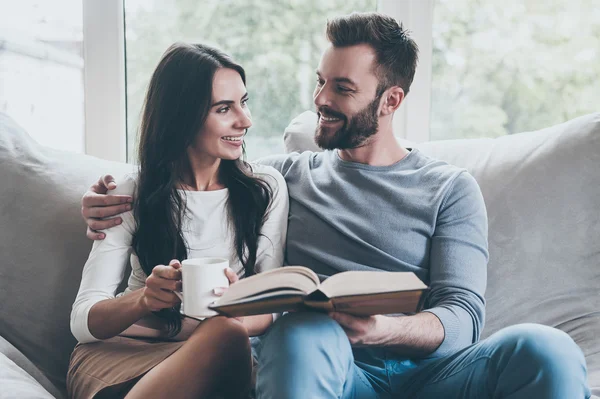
542 193
17 384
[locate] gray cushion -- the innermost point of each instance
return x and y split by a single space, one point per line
542 192
43 244
16 383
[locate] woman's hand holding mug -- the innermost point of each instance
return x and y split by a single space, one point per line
160 286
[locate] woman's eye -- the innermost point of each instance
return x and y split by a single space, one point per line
245 101
222 110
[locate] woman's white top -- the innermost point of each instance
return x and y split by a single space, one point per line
206 232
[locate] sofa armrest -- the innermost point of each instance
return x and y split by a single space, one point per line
16 383
13 364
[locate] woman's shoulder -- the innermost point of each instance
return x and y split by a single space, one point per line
126 184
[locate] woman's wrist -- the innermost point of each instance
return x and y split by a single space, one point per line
140 305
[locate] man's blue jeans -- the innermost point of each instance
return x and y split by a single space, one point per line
307 355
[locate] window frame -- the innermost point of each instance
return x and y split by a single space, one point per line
105 75
104 79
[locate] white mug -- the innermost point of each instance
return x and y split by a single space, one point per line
200 276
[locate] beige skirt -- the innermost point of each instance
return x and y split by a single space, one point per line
110 368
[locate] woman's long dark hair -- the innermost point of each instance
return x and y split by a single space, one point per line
176 106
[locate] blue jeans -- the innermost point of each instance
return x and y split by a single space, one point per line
307 355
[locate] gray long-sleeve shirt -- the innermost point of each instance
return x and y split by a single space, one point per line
419 215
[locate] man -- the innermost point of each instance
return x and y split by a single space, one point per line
369 204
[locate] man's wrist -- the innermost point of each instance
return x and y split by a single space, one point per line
383 331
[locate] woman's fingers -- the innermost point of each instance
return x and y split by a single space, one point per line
231 275
167 272
154 302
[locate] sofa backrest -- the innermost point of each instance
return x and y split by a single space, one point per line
542 193
43 244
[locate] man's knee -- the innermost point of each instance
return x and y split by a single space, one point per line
304 354
306 334
542 348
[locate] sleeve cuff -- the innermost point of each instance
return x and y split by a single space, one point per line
451 325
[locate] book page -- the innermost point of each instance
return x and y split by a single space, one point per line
289 278
370 282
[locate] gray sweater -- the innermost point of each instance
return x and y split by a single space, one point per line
419 215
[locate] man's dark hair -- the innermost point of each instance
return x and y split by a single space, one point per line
396 52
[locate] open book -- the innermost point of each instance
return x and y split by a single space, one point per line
360 293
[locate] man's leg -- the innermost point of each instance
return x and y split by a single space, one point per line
308 355
526 361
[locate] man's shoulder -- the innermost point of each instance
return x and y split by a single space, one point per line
284 162
267 172
436 170
435 174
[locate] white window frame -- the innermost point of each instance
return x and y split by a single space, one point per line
105 81
411 121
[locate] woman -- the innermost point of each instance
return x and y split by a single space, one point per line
194 196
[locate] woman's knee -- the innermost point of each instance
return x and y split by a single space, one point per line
219 334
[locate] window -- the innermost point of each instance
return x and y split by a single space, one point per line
278 43
41 70
486 69
503 67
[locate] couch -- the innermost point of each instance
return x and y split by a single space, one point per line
541 188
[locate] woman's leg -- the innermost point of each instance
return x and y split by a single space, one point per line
215 359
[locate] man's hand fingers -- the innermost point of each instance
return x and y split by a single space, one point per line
94 235
108 181
100 212
104 183
91 199
97 224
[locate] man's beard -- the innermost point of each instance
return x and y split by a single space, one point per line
353 134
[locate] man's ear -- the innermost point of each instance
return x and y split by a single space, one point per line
392 98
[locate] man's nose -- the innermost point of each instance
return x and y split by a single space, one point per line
321 96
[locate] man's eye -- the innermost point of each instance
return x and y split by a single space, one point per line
320 82
222 110
343 89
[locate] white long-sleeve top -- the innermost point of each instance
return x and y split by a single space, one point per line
206 233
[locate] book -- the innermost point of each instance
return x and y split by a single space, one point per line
293 288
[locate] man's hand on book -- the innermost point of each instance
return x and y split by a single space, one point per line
361 331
